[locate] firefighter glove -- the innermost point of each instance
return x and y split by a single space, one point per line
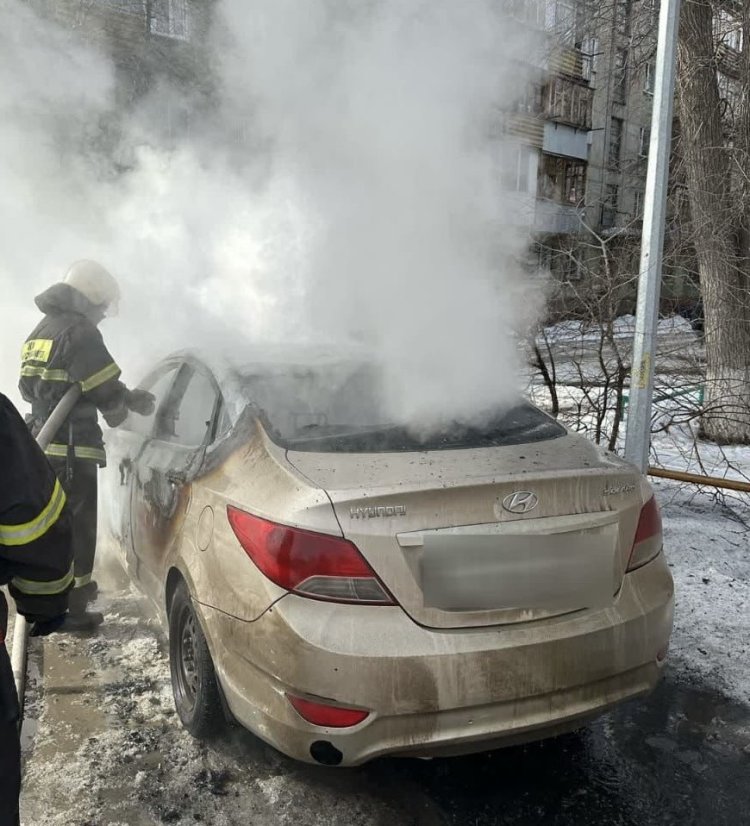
141 402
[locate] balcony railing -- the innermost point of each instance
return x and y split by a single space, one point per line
557 219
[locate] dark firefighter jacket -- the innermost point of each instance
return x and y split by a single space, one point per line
36 550
66 347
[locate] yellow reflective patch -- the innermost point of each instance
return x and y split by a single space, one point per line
35 587
80 581
37 349
61 452
14 535
111 371
29 371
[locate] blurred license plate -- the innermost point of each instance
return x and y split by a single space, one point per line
565 571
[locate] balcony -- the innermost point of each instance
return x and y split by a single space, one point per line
569 101
565 141
552 218
528 128
566 61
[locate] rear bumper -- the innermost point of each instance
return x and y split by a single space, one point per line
438 692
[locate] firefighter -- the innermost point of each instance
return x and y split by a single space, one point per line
36 563
66 347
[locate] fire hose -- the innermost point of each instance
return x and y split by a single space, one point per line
20 629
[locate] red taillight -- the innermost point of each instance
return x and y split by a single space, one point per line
310 564
326 716
648 536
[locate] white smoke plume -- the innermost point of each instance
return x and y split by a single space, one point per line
364 203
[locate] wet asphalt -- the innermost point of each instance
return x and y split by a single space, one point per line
682 756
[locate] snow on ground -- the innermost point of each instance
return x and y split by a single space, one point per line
623 327
708 547
107 747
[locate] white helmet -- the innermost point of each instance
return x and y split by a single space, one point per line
94 282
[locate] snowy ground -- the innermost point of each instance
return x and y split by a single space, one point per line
708 545
105 746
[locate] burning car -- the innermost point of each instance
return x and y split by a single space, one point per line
346 588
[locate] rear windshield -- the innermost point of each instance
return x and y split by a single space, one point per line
337 411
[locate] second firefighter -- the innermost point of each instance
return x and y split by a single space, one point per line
66 347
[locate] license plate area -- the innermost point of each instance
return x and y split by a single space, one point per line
498 568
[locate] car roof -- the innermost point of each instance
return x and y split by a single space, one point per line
231 368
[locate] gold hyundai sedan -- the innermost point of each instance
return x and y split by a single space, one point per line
346 588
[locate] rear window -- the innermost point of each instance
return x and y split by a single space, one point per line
338 411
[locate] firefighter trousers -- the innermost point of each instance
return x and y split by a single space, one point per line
10 747
81 492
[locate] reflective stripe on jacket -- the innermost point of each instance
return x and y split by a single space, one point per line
65 348
36 552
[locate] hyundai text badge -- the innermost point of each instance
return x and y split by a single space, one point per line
522 501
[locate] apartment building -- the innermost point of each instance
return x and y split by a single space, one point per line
148 41
583 129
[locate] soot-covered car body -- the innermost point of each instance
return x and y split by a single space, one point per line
349 591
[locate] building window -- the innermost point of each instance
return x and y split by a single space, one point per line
530 101
570 102
728 30
622 13
517 170
644 142
649 79
589 54
572 268
620 76
563 180
615 142
169 18
730 95
564 264
609 207
532 12
561 19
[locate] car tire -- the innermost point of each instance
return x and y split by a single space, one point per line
194 685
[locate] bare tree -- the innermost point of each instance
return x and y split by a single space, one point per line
717 167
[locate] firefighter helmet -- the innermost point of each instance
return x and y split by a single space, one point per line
95 283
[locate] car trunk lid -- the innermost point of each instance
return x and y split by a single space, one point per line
487 536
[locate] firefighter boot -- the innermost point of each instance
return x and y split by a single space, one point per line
82 622
79 598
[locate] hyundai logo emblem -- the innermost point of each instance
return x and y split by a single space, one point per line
522 501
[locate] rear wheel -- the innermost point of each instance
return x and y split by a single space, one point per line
194 685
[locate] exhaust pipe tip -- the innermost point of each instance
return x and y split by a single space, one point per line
325 753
